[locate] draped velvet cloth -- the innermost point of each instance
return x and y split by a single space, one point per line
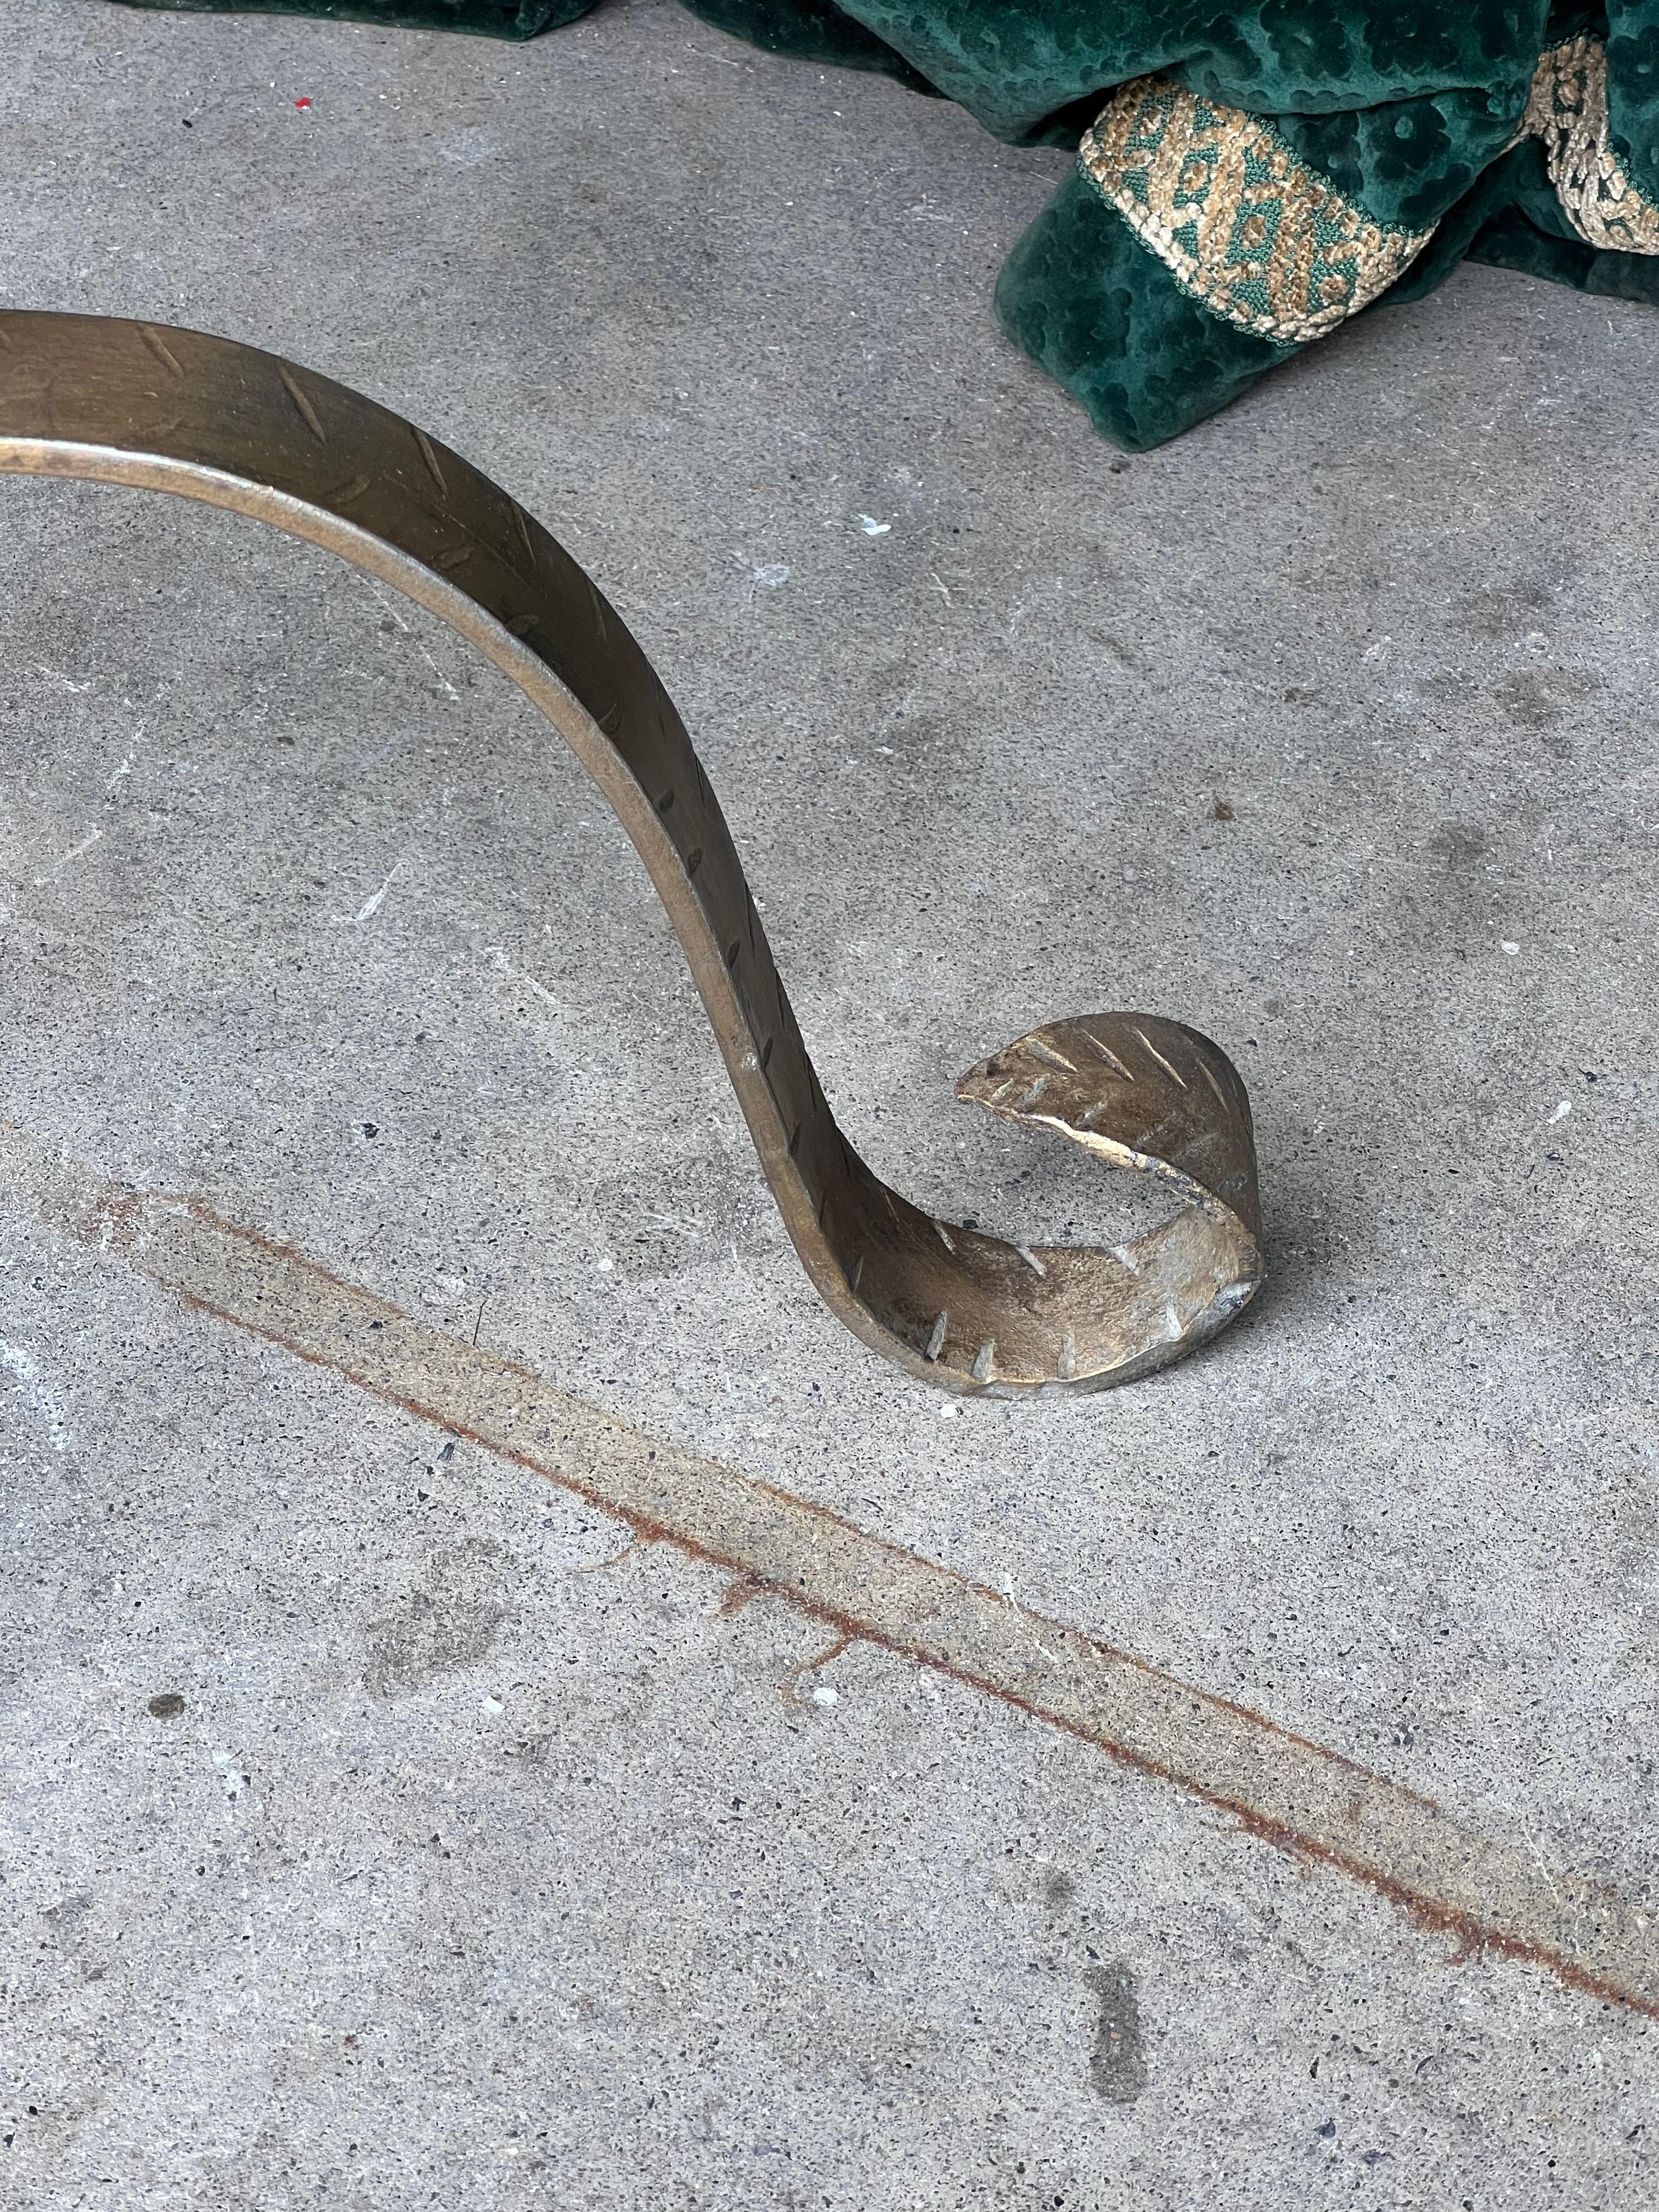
1247 179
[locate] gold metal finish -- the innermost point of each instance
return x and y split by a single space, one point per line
173 411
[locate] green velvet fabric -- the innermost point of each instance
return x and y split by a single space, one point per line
1086 300
1523 228
1409 109
1014 64
1409 161
1633 87
809 31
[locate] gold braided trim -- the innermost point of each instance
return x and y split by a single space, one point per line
1238 219
1567 108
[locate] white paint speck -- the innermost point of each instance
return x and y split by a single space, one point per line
760 575
872 528
494 1705
1504 946
1561 1112
469 148
232 1779
822 1695
18 1362
948 1411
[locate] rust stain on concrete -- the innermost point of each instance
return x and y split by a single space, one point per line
1299 1795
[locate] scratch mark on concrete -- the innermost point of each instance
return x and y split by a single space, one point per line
371 906
497 953
126 769
409 631
73 854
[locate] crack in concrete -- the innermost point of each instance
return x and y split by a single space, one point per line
1301 1797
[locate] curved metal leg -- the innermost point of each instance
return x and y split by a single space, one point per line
139 404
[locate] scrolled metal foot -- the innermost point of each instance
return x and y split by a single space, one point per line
142 404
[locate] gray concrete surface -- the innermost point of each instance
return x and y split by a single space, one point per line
467 1877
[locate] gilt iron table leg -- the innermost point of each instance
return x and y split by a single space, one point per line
137 403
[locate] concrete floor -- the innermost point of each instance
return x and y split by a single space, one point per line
450 1872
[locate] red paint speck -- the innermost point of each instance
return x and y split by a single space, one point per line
303 103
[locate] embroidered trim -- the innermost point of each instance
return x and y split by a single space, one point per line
1567 108
1240 222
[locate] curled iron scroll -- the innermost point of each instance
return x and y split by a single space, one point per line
173 411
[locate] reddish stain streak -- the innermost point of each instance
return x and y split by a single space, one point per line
739 1592
1474 1936
788 1689
635 1543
